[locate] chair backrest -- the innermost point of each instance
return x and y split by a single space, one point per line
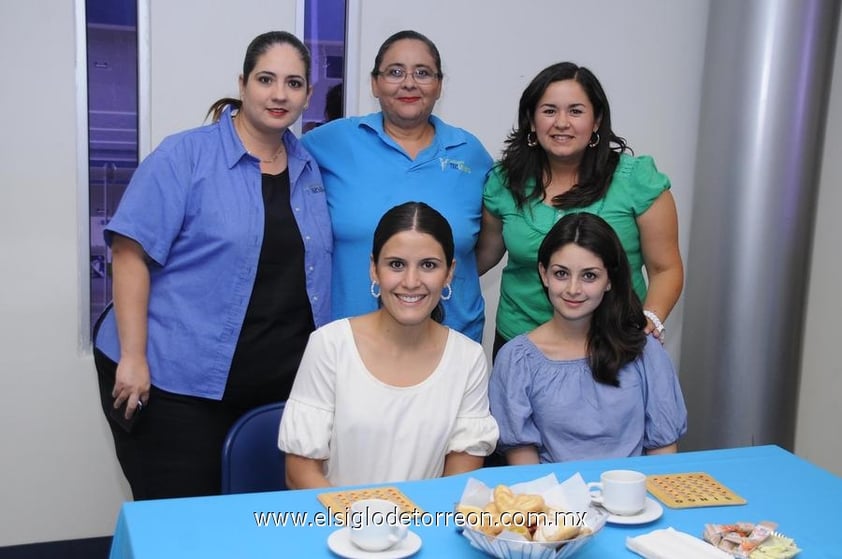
251 459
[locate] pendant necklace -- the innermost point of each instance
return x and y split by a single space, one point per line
274 157
267 161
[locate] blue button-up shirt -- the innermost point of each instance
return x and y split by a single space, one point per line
195 205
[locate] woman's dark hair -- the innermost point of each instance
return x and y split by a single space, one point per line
400 36
616 336
258 46
522 163
415 216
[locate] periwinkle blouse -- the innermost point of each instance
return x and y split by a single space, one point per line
558 407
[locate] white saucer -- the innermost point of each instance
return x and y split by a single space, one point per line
339 542
651 512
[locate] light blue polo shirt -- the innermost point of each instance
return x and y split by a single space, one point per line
366 173
195 205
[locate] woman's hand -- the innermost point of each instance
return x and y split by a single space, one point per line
654 326
131 385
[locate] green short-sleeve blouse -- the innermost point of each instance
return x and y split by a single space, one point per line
523 305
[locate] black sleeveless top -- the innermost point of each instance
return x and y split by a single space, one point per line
278 319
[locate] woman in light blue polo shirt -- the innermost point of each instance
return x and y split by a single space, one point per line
403 153
221 260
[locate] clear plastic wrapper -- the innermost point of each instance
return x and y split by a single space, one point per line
746 540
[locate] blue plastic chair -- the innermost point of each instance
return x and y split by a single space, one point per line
251 459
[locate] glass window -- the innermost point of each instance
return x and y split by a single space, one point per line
324 35
112 61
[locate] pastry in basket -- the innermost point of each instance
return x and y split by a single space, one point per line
486 519
503 497
530 503
523 514
506 501
553 528
544 519
517 513
492 526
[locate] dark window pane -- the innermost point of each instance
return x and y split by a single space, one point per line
324 35
112 126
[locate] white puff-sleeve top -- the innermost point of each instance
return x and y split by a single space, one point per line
367 431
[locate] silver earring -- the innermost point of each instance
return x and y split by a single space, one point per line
449 293
374 290
594 142
532 139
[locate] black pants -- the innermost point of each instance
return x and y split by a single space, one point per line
499 341
174 449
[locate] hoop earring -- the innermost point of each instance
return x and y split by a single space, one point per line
532 139
594 142
374 286
449 293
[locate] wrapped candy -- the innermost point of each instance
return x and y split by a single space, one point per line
745 540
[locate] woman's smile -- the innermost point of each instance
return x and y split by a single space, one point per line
411 299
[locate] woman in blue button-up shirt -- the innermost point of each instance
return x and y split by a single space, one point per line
222 267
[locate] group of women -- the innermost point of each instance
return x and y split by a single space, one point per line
340 273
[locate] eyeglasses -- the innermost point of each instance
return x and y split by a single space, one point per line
396 74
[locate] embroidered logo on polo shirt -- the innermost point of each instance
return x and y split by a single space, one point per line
453 164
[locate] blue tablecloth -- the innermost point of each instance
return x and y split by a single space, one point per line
778 486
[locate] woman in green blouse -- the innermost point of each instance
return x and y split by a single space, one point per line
563 158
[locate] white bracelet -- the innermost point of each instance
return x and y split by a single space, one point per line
659 326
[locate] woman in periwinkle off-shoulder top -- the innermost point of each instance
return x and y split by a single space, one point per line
589 383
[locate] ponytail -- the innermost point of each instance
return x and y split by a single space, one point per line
215 111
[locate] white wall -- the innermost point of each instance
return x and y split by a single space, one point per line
60 478
197 49
821 366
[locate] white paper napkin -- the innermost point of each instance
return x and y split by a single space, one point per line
570 495
670 544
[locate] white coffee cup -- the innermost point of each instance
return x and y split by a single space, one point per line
376 524
620 492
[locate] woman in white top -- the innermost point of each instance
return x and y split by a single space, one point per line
392 395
